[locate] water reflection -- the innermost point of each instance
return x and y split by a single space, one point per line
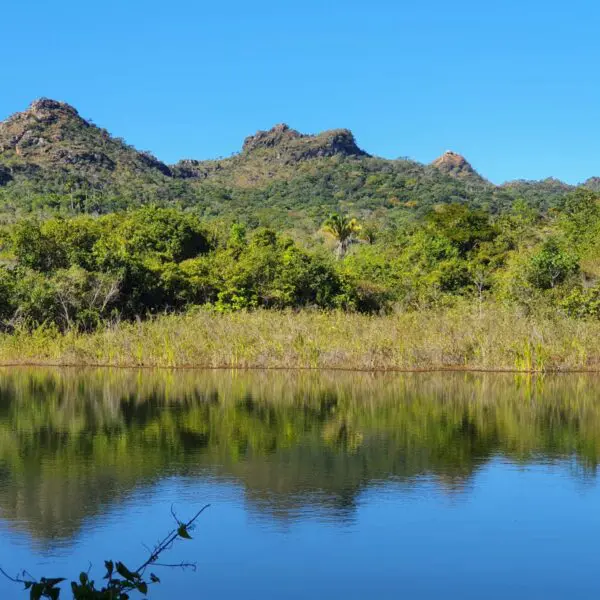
73 443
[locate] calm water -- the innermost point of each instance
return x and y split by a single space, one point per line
321 485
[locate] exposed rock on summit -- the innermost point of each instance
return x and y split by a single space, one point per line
291 145
269 154
45 108
51 137
455 165
279 134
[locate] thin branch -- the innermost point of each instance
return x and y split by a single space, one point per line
174 515
147 548
15 579
154 554
182 565
168 541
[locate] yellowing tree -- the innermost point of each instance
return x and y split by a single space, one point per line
343 229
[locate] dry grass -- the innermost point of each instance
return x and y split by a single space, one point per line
498 338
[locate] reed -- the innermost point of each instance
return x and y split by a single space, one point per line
466 336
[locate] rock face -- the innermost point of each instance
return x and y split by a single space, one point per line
52 140
195 169
277 135
268 154
291 145
33 131
455 165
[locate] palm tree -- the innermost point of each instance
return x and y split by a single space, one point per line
342 228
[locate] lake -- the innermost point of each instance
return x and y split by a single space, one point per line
321 485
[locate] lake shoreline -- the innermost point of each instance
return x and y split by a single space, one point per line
462 338
374 370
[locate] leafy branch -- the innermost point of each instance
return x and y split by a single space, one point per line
120 580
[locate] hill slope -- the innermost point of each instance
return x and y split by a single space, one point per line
51 135
52 158
49 149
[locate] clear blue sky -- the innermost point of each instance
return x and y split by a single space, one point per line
513 85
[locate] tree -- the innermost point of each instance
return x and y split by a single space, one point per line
580 212
343 229
551 265
369 232
463 227
84 297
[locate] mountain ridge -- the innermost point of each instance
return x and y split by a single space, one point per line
50 148
282 136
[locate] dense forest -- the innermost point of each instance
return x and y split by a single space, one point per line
94 231
81 271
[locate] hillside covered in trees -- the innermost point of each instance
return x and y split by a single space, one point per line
52 160
94 231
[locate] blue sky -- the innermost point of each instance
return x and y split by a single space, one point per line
512 85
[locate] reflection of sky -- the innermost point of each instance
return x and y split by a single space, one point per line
517 532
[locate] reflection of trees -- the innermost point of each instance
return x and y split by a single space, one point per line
72 442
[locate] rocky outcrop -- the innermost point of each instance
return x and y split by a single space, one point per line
67 157
455 165
195 169
44 123
53 139
280 134
268 154
148 161
45 109
288 145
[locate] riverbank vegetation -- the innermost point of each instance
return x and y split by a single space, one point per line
160 286
464 336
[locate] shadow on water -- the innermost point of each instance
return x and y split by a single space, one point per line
74 442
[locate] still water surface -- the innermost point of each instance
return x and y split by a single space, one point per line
322 485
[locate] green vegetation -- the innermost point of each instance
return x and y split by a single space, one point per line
82 272
460 288
465 336
52 161
101 242
342 229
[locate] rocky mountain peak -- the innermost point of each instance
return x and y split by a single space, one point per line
50 137
47 105
45 122
341 141
270 138
453 164
291 145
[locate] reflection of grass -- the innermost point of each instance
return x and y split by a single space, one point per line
73 440
461 337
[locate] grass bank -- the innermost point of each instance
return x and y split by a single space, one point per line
462 337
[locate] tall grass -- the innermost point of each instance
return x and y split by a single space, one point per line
496 337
